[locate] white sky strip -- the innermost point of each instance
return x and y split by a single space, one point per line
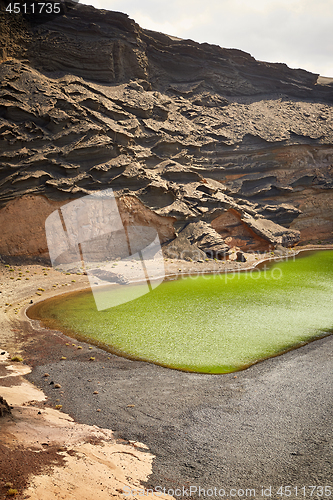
295 32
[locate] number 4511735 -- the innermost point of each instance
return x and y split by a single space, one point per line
320 491
34 8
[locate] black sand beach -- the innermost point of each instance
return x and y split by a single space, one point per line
267 426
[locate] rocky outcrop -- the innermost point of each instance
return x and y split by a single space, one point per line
196 241
181 248
240 257
182 132
274 233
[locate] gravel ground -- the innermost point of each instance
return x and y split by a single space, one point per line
269 425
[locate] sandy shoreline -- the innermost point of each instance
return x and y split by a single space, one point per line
89 457
89 443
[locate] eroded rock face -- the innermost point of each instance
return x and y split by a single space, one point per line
197 241
274 233
206 238
186 133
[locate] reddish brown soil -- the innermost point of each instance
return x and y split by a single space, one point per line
17 465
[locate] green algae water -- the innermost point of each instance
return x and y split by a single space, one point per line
208 323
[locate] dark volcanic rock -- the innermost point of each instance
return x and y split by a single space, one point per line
182 248
275 234
240 257
4 407
206 238
193 132
197 241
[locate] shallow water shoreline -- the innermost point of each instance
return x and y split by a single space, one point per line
76 315
149 388
193 268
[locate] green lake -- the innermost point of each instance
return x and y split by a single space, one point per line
208 323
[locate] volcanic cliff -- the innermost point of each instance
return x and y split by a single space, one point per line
204 143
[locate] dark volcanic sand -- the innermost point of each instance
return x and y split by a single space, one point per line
267 425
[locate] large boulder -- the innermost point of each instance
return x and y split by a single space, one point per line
197 240
274 233
181 248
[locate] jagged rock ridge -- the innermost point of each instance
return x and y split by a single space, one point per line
187 133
